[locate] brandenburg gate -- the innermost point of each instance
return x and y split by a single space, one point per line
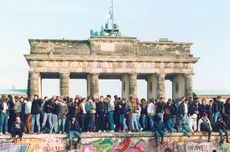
108 55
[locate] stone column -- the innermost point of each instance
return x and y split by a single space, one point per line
125 87
178 86
161 85
188 85
64 84
152 87
133 85
93 85
34 84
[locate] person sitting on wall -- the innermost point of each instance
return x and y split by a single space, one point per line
159 129
17 128
222 127
204 125
74 130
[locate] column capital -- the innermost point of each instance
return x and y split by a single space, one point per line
65 74
161 74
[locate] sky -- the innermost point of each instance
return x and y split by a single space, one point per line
206 23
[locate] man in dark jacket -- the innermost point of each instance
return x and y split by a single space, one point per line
35 111
227 112
48 113
218 108
101 112
222 127
17 128
74 130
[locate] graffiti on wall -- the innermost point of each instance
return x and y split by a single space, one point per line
120 144
114 145
138 144
34 145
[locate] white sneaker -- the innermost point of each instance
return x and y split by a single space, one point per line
104 131
112 131
99 131
130 132
141 129
7 133
1 133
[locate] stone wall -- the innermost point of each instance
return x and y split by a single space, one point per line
116 142
111 46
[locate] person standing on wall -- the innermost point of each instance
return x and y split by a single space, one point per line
35 111
28 116
110 113
4 115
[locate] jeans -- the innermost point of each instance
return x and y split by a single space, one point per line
151 122
157 132
111 121
143 121
169 125
73 134
4 122
161 115
216 116
185 119
129 121
91 123
55 123
61 124
208 130
135 125
35 117
138 121
122 120
101 120
49 117
221 134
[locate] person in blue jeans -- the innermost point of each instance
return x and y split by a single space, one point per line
35 111
159 130
110 113
4 115
74 130
222 127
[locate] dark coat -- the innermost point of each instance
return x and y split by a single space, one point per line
21 125
48 106
75 126
36 106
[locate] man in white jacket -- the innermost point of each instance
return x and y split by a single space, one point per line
151 113
204 125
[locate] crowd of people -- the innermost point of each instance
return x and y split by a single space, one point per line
114 114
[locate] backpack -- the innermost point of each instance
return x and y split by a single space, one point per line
88 106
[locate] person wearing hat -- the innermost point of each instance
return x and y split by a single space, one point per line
204 125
